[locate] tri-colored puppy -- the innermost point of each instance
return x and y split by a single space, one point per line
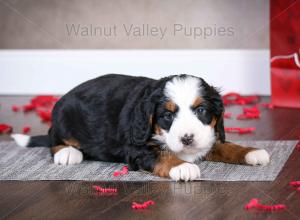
162 126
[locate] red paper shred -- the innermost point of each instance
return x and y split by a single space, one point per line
239 130
251 204
42 105
298 147
29 107
105 190
121 172
45 115
294 183
247 116
15 108
234 98
227 115
253 110
254 204
26 129
44 101
5 129
144 205
267 105
249 113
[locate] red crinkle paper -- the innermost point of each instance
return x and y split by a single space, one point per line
26 129
5 129
267 105
295 184
144 205
234 98
29 107
249 113
105 190
227 115
239 130
42 105
45 115
121 172
15 108
254 204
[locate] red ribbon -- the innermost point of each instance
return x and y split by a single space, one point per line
105 190
144 205
249 113
26 129
5 129
239 130
121 172
254 204
235 98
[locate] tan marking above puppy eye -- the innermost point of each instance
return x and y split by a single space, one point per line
197 102
157 129
171 106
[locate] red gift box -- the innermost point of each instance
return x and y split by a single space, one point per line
285 44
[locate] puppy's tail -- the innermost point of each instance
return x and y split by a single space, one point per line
35 141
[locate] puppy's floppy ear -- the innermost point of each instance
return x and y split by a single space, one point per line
141 123
219 128
219 113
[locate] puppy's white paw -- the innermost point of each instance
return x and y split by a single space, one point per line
68 156
257 157
185 171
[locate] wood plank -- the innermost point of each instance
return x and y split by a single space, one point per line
70 199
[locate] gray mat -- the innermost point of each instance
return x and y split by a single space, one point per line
37 164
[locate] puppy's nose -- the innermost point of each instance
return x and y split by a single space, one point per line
187 139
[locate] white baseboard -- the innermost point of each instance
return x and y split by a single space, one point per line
57 71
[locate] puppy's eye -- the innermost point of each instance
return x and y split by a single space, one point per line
168 116
200 111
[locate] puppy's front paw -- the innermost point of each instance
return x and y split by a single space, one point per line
68 156
185 171
257 157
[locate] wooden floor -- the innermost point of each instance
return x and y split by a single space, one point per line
193 200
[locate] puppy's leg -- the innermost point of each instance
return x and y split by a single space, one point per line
232 153
161 163
66 155
168 165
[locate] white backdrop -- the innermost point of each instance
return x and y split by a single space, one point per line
57 71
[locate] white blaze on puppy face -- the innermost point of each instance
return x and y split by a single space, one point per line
183 92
